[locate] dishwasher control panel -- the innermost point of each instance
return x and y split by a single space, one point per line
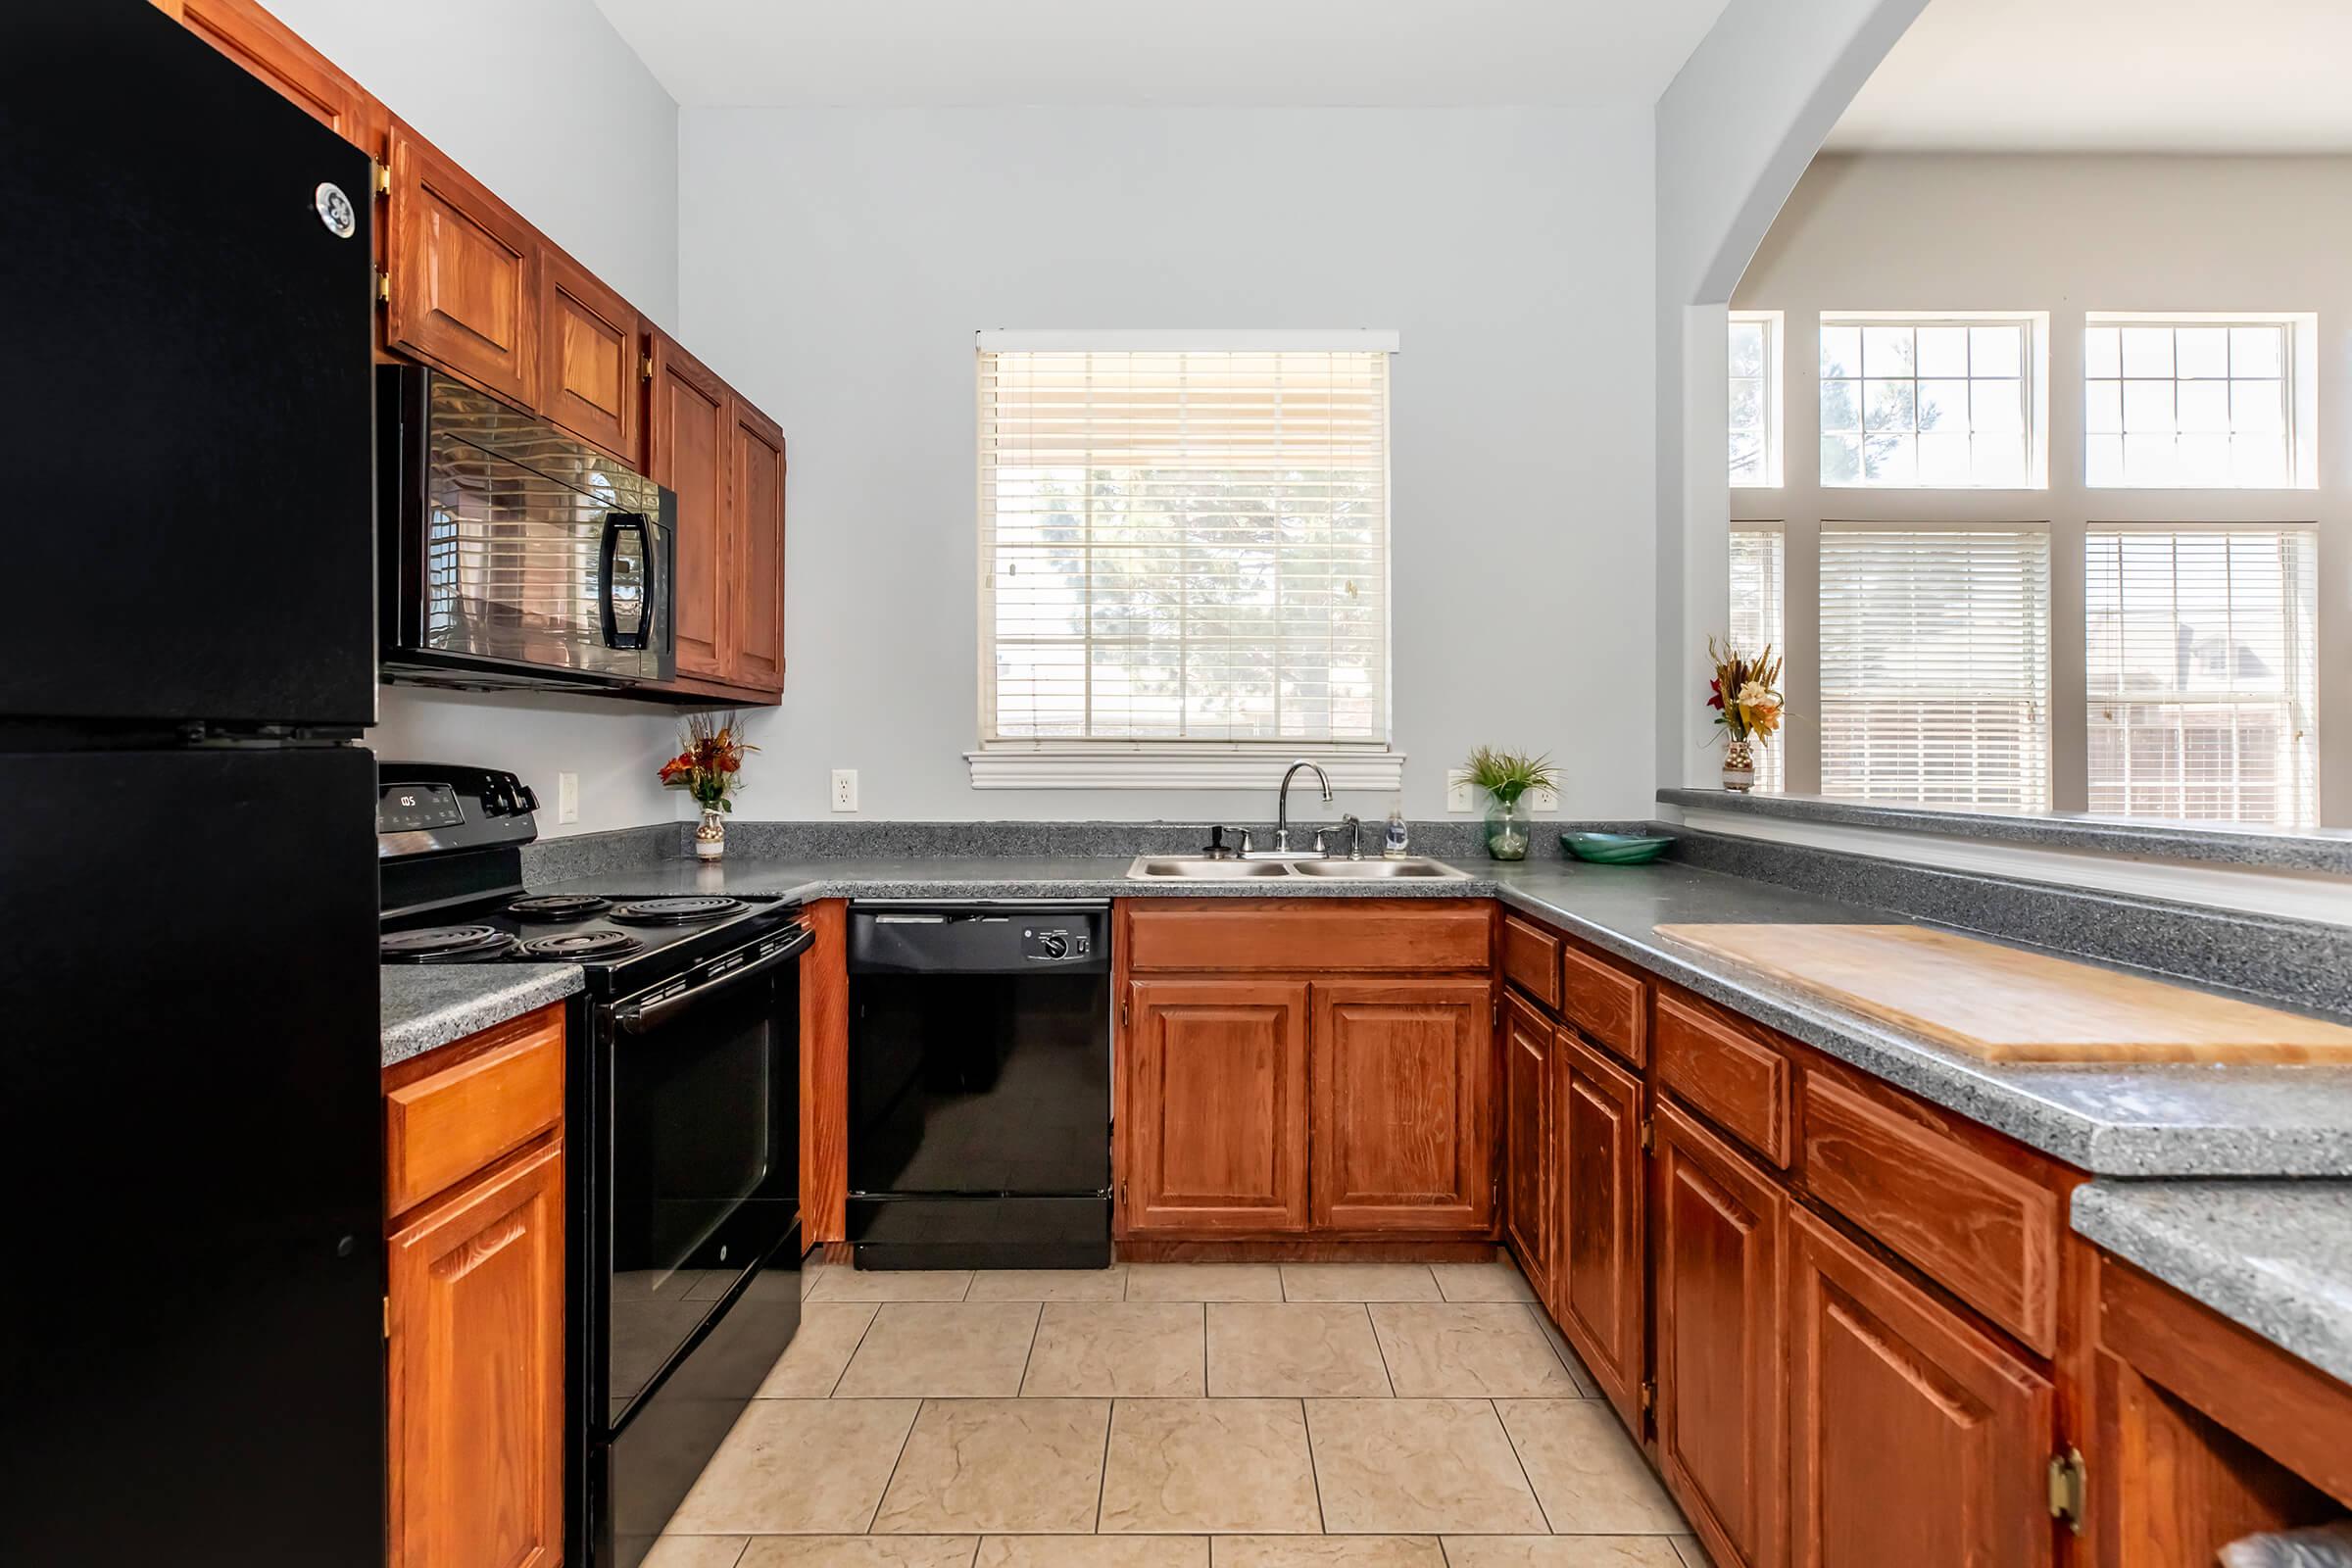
1054 944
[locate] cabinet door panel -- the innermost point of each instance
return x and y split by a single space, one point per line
1215 1110
688 452
756 539
589 381
1402 1127
1598 1287
1720 1436
464 275
475 1361
1526 1140
1914 1438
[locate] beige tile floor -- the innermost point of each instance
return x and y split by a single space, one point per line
1178 1415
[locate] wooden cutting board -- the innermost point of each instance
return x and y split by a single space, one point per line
2004 1004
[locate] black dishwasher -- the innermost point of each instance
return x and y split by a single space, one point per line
980 1085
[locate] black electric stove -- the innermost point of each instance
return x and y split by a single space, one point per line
683 1139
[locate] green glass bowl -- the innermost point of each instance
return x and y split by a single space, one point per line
1614 848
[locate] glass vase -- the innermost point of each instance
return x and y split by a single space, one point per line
1739 766
1507 830
710 836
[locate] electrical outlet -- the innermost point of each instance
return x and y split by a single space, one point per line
1457 788
844 789
567 797
1543 799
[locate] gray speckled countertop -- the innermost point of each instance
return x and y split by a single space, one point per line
2276 1257
430 1004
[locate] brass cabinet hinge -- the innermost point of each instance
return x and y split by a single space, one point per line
383 176
1122 1013
2070 1483
1650 1137
1649 1394
387 1317
644 366
383 288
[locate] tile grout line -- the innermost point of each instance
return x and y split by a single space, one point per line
896 1459
833 1389
1314 1472
1373 1324
1110 1416
1020 1385
1520 1460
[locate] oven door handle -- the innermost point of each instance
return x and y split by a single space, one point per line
649 1015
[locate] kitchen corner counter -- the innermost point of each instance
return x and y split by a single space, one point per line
425 1006
2275 1257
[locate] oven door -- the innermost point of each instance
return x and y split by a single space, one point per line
698 1179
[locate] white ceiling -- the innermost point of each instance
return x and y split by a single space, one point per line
2122 76
1223 53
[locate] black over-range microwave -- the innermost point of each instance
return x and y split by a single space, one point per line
514 555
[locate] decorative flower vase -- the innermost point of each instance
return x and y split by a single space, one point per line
1507 830
1739 766
710 837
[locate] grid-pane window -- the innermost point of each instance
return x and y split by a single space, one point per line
1934 666
2200 405
1755 400
1183 545
1758 621
1926 404
2202 664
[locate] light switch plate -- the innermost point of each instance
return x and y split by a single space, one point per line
1543 799
567 797
844 789
1457 788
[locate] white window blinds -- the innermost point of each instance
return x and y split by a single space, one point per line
2202 664
1758 619
1183 545
1934 666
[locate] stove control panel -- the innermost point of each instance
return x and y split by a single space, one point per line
1050 943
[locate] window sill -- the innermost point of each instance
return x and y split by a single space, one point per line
1200 765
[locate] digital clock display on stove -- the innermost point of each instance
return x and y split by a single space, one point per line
416 809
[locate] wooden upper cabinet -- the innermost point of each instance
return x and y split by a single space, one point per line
273 51
589 352
1600 1270
475 1374
1213 1119
1402 1115
756 536
464 275
687 450
1914 1438
1526 1140
1721 1442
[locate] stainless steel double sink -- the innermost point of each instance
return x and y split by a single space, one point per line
1201 869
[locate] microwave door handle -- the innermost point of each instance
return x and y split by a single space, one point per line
617 523
646 1016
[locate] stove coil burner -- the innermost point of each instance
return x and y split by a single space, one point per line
445 943
677 912
575 946
560 907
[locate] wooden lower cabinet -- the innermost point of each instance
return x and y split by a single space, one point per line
1527 1140
1719 1221
1213 1120
1914 1438
1401 1117
474 1327
1600 1273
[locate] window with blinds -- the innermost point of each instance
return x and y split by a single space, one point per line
2202 659
1934 666
1758 620
1183 545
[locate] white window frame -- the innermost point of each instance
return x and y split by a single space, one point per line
2300 375
2035 393
1181 764
1773 396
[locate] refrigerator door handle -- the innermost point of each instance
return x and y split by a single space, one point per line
638 635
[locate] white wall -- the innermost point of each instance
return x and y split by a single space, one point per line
1734 131
835 263
2064 234
542 102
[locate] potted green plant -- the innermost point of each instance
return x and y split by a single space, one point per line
1506 777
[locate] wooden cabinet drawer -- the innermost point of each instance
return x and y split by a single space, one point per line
1531 960
1737 1080
442 1127
1604 1001
1308 935
1985 1232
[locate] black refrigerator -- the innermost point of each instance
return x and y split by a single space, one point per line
191 1339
